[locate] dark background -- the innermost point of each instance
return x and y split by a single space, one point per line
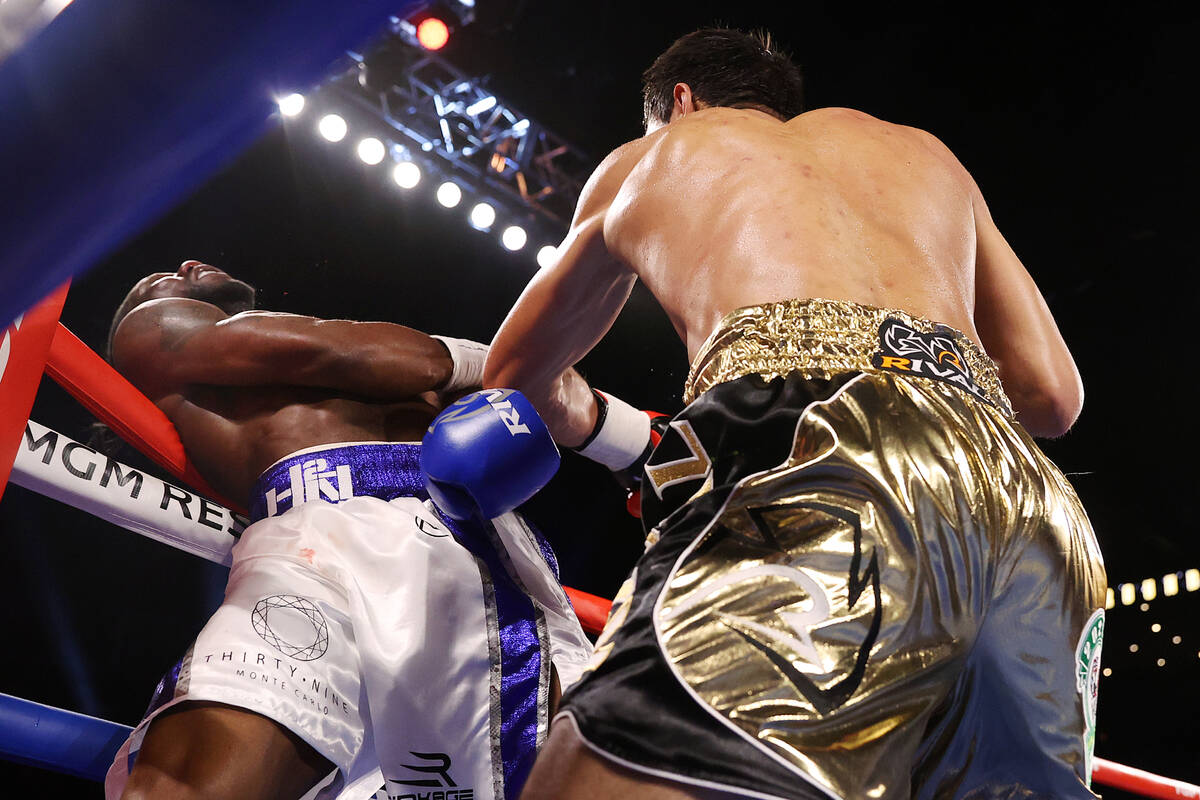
1072 120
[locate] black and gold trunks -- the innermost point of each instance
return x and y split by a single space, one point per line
863 579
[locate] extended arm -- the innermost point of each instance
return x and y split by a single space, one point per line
169 343
1019 333
564 312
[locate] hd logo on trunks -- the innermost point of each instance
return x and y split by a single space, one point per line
929 355
312 480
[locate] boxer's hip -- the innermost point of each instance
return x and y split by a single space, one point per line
841 548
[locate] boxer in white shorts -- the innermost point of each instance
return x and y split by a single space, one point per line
366 639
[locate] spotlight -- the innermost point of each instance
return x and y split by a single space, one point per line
1170 583
371 150
482 216
514 237
1133 648
449 195
332 128
291 105
1149 589
1107 671
432 33
547 256
1156 627
1128 594
1191 580
406 174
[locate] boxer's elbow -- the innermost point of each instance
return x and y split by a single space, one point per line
1049 410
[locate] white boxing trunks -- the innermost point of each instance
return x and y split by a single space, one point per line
411 650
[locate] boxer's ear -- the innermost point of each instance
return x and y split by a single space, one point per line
684 102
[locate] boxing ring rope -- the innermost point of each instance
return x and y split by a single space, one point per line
65 741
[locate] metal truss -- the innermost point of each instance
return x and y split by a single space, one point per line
441 115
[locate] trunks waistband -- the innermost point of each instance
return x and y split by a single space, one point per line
337 472
822 338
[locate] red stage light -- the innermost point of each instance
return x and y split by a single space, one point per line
432 33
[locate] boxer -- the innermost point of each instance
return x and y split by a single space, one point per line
367 638
862 579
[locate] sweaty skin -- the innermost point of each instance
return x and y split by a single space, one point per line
724 208
246 389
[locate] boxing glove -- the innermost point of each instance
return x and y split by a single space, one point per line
486 454
622 440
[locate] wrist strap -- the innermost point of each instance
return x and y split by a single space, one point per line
467 358
620 435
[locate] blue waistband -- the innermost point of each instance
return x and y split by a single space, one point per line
386 470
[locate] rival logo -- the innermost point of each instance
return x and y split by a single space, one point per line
929 355
469 406
498 399
312 480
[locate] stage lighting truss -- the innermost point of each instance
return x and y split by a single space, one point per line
434 113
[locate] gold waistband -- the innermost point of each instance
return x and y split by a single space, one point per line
819 339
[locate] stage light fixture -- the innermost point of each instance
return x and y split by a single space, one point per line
1128 593
332 128
371 150
1191 580
483 216
406 174
1156 627
1170 584
291 105
449 194
433 33
514 238
547 256
1149 589
480 106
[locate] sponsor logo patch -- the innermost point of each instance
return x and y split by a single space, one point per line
1087 682
929 355
439 786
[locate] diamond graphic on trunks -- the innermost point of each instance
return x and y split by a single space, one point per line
292 625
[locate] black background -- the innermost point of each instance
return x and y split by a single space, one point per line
1073 120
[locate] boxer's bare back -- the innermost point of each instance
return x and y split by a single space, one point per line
724 208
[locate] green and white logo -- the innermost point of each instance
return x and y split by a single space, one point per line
1087 683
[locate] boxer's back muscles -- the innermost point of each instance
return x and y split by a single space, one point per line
725 208
247 389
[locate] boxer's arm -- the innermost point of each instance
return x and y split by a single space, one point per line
1019 333
170 343
565 310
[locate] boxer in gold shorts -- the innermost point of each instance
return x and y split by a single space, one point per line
863 578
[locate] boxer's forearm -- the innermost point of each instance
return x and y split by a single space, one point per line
564 401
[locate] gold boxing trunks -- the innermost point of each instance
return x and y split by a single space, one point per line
863 579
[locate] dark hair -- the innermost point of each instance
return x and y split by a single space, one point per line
724 67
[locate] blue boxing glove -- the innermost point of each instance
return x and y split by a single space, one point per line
487 453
